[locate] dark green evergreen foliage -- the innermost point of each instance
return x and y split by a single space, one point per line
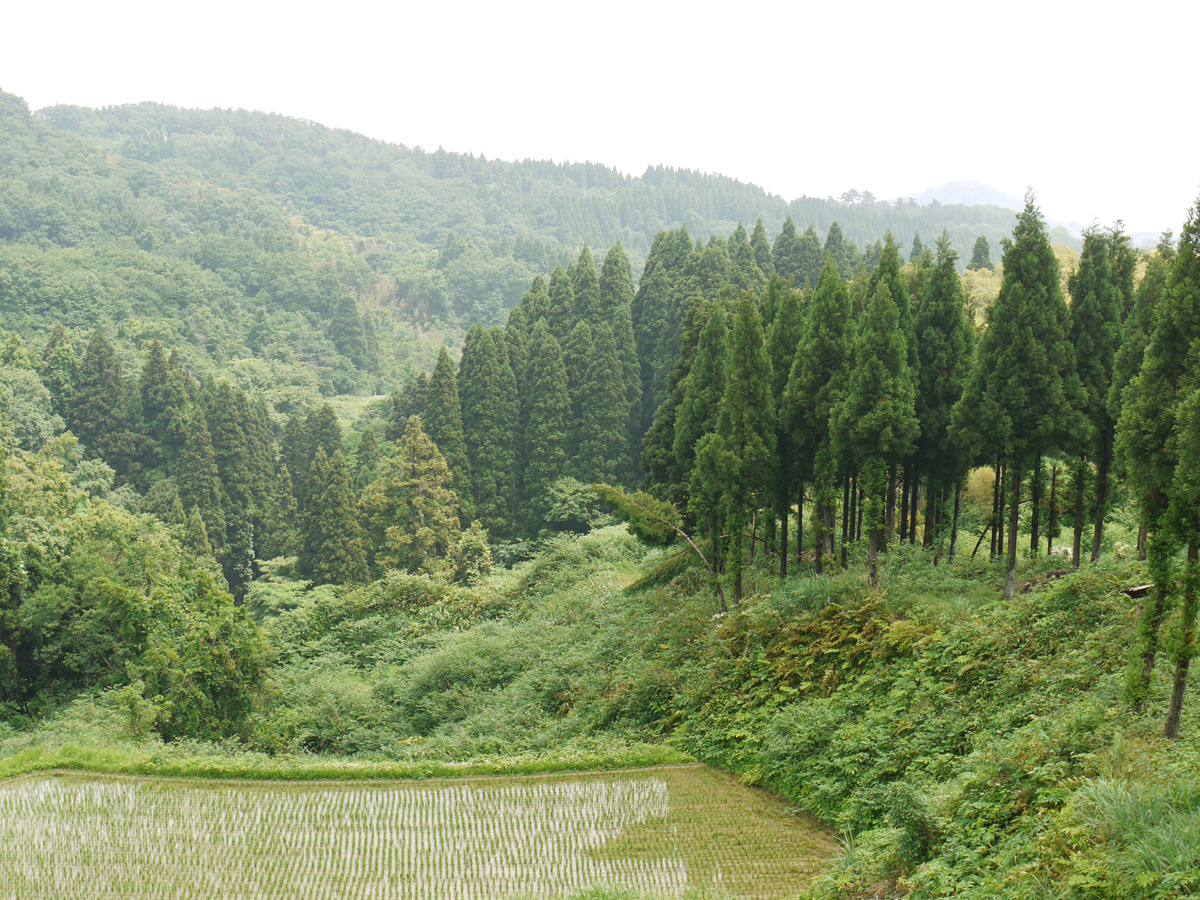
1097 304
293 451
811 258
1025 386
816 385
561 315
195 538
662 302
331 549
918 247
981 256
281 534
616 299
577 356
320 430
703 388
1023 397
516 342
347 332
888 272
746 427
650 313
712 269
60 370
198 479
536 301
1139 323
488 393
585 287
745 274
98 408
787 254
784 336
876 421
227 413
323 431
872 255
545 424
876 418
762 249
411 509
367 459
1145 434
844 252
406 404
443 423
603 426
663 476
821 367
945 349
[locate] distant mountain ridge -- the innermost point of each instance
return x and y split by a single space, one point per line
970 193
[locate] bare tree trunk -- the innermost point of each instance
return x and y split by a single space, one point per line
785 509
933 511
819 533
1183 655
912 504
800 524
1014 514
854 504
1077 546
1035 518
954 522
1053 517
873 543
1101 496
1141 543
996 507
905 487
891 508
845 518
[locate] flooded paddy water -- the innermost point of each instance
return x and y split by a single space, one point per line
660 831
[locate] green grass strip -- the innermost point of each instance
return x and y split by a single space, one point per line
169 762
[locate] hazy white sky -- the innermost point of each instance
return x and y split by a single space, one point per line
1092 108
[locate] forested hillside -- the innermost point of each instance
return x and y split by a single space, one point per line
318 445
258 240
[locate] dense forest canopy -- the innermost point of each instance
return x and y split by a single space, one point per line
241 234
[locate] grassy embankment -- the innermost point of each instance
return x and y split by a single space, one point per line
964 746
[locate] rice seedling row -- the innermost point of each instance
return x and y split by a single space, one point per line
658 831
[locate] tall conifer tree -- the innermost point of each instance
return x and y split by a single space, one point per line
443 424
876 419
746 426
487 389
331 550
945 349
603 427
1096 304
545 414
785 335
411 509
561 314
816 385
616 300
1024 385
762 249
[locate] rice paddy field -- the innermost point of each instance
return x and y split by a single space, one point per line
658 831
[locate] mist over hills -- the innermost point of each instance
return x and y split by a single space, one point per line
246 235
